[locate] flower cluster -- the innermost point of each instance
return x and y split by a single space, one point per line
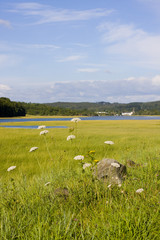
43 132
109 142
33 149
79 157
70 137
75 120
41 127
140 190
92 161
11 168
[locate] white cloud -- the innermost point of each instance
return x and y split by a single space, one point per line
115 32
3 59
5 23
153 5
88 70
130 44
4 87
47 14
42 46
9 60
130 79
123 90
31 5
70 58
156 80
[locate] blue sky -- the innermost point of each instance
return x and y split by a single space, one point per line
77 51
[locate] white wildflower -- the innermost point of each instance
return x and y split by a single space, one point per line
47 183
79 157
33 149
139 190
43 132
11 168
109 142
109 186
115 165
119 185
70 137
41 127
75 120
86 165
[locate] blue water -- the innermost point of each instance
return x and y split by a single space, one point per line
5 120
31 127
33 119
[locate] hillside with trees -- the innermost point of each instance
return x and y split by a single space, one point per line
48 110
11 109
140 108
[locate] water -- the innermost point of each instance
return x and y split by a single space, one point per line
31 127
33 119
5 120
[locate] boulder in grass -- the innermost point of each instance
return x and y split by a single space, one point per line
61 192
110 171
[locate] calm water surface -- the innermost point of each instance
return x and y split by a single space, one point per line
5 120
31 127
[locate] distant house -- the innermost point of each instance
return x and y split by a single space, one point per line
127 113
101 113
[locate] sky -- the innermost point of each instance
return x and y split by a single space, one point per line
80 51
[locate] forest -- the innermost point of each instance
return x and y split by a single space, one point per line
10 108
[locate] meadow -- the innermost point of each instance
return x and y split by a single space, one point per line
50 196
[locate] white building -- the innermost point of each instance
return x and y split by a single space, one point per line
127 113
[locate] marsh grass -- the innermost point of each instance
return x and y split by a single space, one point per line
89 210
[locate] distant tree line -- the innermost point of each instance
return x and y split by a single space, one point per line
11 109
46 110
140 108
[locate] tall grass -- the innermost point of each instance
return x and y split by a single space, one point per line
74 205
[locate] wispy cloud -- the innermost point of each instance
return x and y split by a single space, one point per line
131 44
47 14
123 90
3 59
42 46
70 58
5 23
156 80
7 47
7 60
4 87
88 70
151 5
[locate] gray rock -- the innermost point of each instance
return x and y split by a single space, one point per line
110 171
61 192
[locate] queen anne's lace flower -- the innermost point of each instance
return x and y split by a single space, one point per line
43 132
139 190
33 149
86 165
70 137
79 157
109 142
41 127
11 168
75 120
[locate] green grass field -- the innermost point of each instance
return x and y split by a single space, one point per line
74 205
